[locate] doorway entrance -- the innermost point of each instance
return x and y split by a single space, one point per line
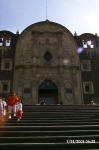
48 92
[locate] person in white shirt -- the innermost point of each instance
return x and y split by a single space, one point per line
1 109
4 106
19 110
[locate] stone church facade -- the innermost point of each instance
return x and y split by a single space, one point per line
44 63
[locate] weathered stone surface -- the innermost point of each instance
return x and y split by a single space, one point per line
31 68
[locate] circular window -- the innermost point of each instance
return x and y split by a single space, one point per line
47 56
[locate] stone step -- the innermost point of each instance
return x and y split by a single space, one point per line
69 122
55 119
59 115
78 106
29 113
62 110
65 111
49 133
50 123
60 118
48 146
51 139
50 128
33 115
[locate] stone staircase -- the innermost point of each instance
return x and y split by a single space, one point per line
57 127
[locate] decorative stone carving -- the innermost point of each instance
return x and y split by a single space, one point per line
33 43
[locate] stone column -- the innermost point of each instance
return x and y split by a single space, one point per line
77 87
62 95
34 95
59 96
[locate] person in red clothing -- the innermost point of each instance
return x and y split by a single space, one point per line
12 100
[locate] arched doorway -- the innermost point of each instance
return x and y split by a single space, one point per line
48 92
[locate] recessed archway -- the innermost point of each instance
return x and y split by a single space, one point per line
48 92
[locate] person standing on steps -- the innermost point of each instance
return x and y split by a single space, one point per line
12 100
19 110
4 106
92 102
1 109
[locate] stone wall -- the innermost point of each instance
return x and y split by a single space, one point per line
32 67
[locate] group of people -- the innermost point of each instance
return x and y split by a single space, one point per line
12 107
92 102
